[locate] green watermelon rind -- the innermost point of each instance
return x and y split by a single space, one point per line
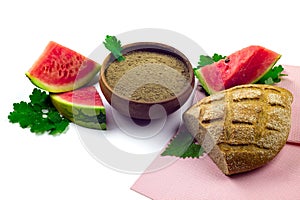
200 77
209 90
69 109
65 87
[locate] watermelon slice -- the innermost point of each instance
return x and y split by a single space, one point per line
82 106
245 66
60 69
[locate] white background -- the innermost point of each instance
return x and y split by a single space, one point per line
45 167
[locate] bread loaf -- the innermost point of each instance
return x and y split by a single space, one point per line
242 128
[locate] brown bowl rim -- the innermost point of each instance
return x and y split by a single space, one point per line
160 47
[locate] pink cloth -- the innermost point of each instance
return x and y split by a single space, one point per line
292 83
197 179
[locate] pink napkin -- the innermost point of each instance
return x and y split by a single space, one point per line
196 179
292 83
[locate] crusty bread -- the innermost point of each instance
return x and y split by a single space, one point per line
242 128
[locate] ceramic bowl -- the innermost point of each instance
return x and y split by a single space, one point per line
140 110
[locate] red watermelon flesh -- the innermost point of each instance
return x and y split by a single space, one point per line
60 69
245 66
88 96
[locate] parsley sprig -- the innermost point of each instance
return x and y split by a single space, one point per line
114 46
39 115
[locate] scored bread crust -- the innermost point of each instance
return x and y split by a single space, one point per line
242 128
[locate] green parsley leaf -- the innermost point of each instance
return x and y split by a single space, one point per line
193 151
54 117
272 76
39 115
183 146
41 125
114 46
59 127
207 60
216 57
38 97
